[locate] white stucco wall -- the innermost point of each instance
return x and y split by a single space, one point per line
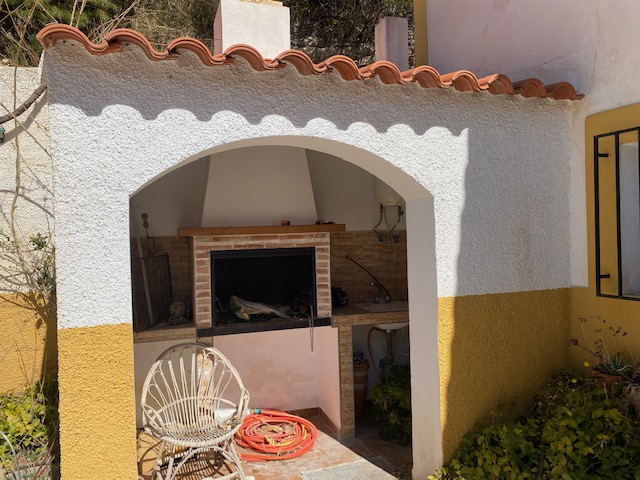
484 177
34 208
174 201
591 43
344 194
494 164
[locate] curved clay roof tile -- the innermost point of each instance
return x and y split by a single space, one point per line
562 91
497 84
425 76
199 49
301 61
346 67
463 81
251 55
55 32
531 87
125 35
388 73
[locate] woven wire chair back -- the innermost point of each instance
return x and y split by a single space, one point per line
192 395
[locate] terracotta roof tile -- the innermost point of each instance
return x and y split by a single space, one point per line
387 72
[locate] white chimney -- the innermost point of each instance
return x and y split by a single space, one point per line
263 24
392 41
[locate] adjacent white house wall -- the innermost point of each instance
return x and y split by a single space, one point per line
34 205
574 40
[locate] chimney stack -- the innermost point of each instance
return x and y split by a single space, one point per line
263 24
392 41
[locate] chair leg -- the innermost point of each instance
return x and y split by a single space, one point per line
231 448
159 459
172 459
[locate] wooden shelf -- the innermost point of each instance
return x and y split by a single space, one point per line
266 230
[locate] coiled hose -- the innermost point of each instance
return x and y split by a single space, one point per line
275 435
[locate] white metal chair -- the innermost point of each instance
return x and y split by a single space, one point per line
194 401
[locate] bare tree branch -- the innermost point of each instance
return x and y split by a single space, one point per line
25 106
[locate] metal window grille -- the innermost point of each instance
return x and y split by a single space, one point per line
152 293
610 278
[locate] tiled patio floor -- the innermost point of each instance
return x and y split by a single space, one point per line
328 452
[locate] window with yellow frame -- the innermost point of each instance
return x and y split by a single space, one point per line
615 172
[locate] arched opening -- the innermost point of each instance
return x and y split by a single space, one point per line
302 180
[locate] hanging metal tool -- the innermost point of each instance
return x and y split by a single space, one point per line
151 250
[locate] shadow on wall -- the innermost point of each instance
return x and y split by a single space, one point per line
28 344
252 99
503 327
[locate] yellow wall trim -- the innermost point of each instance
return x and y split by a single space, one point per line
420 32
97 414
495 352
27 344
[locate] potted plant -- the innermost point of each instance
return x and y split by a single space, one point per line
609 368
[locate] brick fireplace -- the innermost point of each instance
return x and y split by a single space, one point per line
204 241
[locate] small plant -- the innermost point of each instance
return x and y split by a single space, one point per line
575 431
392 405
607 347
28 421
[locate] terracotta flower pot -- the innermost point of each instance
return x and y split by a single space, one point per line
605 380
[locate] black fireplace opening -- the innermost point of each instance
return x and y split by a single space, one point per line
269 289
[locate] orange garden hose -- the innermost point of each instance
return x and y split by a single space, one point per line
275 435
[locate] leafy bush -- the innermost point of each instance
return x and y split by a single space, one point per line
392 404
28 421
576 431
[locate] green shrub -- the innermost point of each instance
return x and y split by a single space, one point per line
28 421
392 405
576 431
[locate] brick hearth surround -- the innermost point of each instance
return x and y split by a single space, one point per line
203 245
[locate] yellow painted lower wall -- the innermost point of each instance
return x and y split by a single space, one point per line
27 344
97 413
616 312
496 351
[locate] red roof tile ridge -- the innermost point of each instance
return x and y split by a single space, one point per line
463 81
55 32
426 76
387 71
253 56
126 35
302 62
530 87
345 66
563 91
199 49
498 84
